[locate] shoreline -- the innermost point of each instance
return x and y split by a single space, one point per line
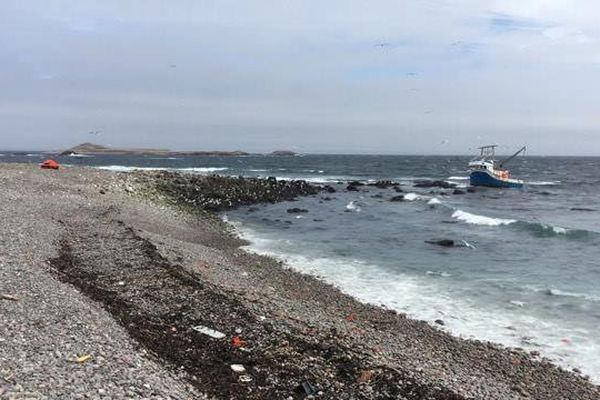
160 271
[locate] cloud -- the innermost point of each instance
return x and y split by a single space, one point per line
297 72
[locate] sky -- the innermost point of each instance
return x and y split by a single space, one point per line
341 76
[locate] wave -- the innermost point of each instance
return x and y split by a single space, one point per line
412 197
124 168
428 297
434 202
546 230
543 183
458 178
480 219
353 207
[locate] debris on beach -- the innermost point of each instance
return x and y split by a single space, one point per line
83 359
209 332
238 368
8 297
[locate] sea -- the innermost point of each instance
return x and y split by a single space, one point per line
525 272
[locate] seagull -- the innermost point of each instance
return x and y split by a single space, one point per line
382 44
96 133
445 141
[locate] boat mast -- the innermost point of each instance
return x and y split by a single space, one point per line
522 149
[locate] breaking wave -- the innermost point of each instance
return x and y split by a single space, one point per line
480 219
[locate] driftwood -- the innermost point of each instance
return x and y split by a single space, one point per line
8 297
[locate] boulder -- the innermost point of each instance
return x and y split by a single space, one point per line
434 183
296 210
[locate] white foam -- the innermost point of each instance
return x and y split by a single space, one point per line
480 219
353 207
123 168
458 178
428 297
412 197
434 201
544 183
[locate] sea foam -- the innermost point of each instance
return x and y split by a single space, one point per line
480 219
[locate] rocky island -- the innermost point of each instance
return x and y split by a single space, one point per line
95 149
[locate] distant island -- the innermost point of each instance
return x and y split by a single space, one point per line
283 153
96 149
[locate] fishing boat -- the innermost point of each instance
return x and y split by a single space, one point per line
486 171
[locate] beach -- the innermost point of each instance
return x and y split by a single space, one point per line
110 279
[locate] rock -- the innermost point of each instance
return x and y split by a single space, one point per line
442 242
352 188
398 190
397 198
377 196
296 210
356 183
431 183
440 322
471 189
458 191
383 184
329 189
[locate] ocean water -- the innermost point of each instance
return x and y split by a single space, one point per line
527 273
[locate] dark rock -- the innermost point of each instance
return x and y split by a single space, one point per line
397 198
329 189
352 188
471 189
440 322
326 199
442 242
398 190
583 209
356 183
458 191
296 210
430 183
102 191
383 184
377 196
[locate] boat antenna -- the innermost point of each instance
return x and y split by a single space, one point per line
522 149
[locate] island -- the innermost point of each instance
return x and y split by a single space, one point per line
96 149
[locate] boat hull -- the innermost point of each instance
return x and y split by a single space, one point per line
481 178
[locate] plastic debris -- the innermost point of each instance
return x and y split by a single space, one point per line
209 332
306 388
83 359
238 368
236 341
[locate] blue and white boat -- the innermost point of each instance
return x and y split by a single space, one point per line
486 171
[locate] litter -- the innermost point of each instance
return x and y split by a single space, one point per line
236 341
307 388
83 359
8 297
238 368
209 332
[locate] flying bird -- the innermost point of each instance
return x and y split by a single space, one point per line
382 44
95 133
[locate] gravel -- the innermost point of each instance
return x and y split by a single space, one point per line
126 274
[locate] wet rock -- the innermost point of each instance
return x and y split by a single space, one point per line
471 189
440 322
383 184
432 183
329 189
352 188
296 210
398 190
458 191
442 242
397 198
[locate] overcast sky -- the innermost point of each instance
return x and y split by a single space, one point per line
343 76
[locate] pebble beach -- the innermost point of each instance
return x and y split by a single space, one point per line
128 285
